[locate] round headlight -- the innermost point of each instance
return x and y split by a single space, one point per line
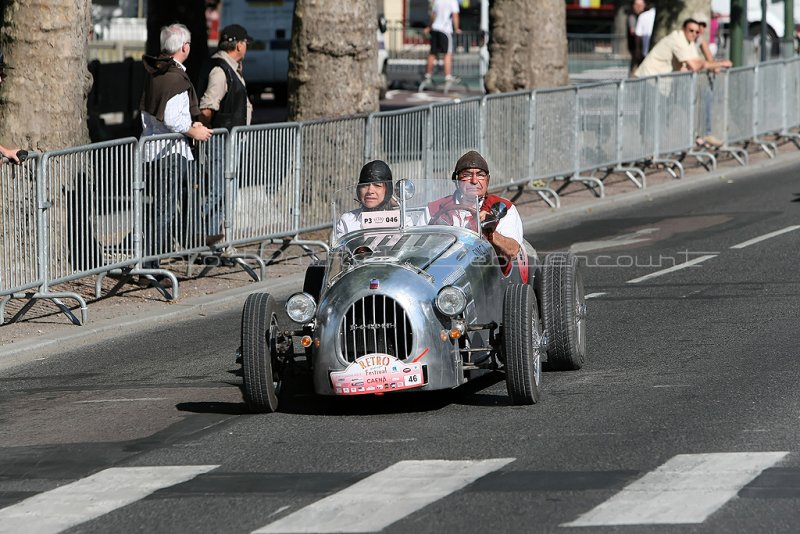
451 301
301 307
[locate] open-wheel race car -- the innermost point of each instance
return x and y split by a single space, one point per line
408 302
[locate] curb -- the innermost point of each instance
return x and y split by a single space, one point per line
27 351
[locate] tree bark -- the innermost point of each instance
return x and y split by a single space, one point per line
528 47
670 15
333 60
43 100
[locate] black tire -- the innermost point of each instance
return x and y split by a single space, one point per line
260 375
522 335
564 312
315 275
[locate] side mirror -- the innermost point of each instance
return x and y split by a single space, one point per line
382 23
405 189
489 223
499 210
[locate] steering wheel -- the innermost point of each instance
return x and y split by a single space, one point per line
452 209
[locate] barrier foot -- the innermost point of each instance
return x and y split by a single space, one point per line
595 185
293 241
149 276
793 137
55 297
670 165
769 148
701 156
634 174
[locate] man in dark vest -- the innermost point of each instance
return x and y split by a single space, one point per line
224 105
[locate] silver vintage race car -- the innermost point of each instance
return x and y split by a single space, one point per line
408 302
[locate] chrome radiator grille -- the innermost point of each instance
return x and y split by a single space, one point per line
376 323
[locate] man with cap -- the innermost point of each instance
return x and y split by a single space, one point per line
6 153
472 178
374 193
224 104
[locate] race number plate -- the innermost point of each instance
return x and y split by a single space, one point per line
377 373
380 219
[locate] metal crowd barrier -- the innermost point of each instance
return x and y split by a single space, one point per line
129 207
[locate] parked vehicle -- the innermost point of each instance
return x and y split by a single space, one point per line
774 18
409 303
270 23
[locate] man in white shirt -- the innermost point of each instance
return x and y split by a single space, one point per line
675 52
444 21
169 105
644 29
472 178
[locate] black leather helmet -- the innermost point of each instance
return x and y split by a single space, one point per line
378 171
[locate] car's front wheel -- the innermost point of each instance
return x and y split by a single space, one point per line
522 344
260 365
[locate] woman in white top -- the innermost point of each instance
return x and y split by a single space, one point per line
374 193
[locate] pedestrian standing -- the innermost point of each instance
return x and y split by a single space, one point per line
634 41
168 105
225 104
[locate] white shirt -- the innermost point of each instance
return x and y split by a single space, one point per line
443 15
644 28
177 119
509 226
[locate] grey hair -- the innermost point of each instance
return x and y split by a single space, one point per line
173 37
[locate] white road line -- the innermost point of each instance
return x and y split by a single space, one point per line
594 295
686 489
765 237
91 497
140 399
404 488
672 269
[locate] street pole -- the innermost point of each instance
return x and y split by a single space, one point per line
787 48
738 25
762 41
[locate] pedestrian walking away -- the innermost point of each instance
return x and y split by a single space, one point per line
444 21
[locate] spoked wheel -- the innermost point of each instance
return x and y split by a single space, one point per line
522 340
564 312
260 364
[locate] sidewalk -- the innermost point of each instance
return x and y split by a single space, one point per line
45 330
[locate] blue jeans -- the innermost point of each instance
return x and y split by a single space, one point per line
165 179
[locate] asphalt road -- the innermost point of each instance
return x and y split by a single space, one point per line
684 419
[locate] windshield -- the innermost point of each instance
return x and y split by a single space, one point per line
399 206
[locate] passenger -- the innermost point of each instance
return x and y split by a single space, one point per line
374 193
472 178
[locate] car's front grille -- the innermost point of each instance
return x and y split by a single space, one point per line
376 323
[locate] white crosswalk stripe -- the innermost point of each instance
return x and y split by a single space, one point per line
404 487
64 507
686 489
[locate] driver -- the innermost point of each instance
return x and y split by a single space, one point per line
472 180
374 193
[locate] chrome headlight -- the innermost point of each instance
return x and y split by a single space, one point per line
301 307
451 301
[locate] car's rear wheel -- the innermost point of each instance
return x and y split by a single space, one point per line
564 312
522 336
260 365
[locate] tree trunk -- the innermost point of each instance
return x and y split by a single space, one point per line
333 60
528 47
43 101
670 15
